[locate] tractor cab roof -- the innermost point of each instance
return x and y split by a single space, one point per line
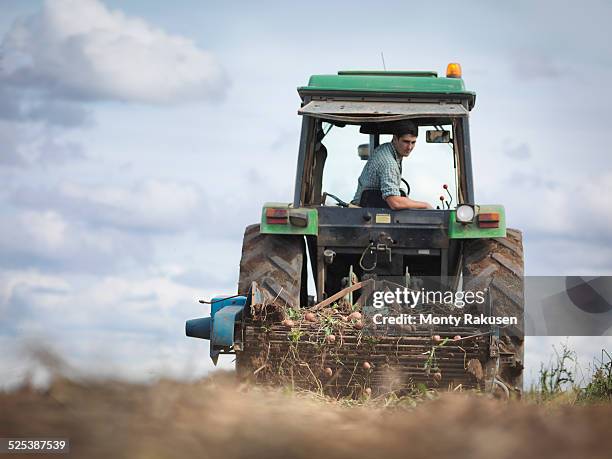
398 86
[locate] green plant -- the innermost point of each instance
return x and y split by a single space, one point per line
328 324
431 364
293 314
370 340
558 376
599 389
295 335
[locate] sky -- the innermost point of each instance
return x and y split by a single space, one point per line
138 139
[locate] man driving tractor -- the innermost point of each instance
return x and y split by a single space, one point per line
380 180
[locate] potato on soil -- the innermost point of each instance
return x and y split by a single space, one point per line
330 339
436 338
358 325
366 365
437 376
328 372
288 323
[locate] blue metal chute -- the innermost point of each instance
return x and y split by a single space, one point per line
198 328
223 326
219 327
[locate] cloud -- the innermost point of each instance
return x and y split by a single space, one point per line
18 104
557 255
564 216
145 302
531 180
128 326
11 151
575 209
24 145
531 65
50 241
72 227
81 50
56 112
13 284
76 51
152 206
520 151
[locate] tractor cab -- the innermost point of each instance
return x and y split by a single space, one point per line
365 105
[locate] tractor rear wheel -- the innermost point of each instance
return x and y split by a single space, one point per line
278 264
497 265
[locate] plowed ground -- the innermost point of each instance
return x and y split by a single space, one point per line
216 418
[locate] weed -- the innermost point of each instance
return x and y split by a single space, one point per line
328 324
431 364
558 384
599 389
295 335
558 376
293 313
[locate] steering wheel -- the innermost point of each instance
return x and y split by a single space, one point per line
407 187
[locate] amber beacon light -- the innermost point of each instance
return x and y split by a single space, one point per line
453 70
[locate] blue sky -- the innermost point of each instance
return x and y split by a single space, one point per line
140 138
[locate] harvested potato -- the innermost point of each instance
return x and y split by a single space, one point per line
310 317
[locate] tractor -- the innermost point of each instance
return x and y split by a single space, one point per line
313 254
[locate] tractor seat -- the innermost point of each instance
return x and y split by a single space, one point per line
373 198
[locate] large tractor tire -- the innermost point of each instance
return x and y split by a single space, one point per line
497 265
277 263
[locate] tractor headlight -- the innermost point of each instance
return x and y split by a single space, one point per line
465 213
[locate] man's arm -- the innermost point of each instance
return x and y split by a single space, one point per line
401 202
390 179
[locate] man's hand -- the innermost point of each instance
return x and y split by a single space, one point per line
401 202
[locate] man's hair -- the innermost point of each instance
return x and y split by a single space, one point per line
404 127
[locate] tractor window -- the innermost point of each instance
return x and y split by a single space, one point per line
429 166
343 166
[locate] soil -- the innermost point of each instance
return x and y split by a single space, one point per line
217 418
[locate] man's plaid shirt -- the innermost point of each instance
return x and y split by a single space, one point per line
383 172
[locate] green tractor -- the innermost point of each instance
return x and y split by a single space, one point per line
280 331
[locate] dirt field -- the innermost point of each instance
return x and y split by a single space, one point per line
216 418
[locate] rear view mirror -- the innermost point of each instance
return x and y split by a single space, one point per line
438 137
363 151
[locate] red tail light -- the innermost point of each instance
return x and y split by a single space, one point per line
488 220
276 216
